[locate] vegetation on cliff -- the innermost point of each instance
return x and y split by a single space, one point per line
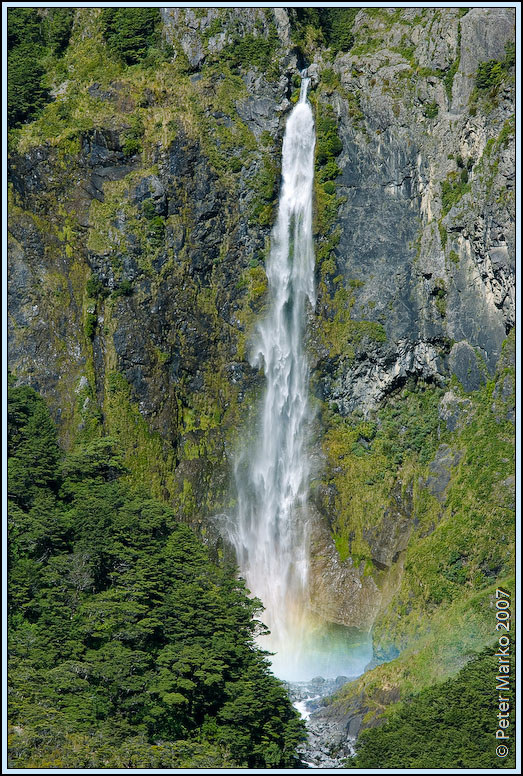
33 40
128 646
144 188
451 725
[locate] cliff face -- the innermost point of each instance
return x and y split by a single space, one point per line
411 242
140 214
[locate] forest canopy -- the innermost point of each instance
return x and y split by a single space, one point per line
128 647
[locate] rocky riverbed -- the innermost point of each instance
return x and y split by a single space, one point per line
328 743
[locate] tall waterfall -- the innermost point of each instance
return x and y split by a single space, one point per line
270 530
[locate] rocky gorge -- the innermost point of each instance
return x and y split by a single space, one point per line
141 202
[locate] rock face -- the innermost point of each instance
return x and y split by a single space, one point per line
146 264
439 278
339 591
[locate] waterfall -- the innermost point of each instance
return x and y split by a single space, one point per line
270 528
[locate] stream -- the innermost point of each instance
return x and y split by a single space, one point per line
327 745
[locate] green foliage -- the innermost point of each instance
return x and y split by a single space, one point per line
332 26
461 546
448 77
328 147
509 59
91 322
340 333
24 26
132 142
156 231
130 32
95 289
365 461
330 80
431 110
455 534
337 26
265 187
507 132
450 725
439 293
128 645
443 235
253 50
489 74
328 143
58 23
452 190
409 423
124 288
30 37
26 93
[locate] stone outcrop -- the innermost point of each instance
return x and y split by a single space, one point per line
426 245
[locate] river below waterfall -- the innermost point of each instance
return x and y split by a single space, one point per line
327 745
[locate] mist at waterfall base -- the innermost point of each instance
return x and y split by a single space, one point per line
270 530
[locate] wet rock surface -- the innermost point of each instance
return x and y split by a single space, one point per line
437 275
446 303
329 743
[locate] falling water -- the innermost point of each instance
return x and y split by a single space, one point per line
271 528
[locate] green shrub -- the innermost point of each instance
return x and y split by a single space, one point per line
124 288
265 187
337 24
328 143
507 132
138 641
132 143
440 296
156 231
448 77
30 37
450 725
330 80
58 24
443 236
328 171
24 26
96 289
253 50
129 32
26 93
91 322
331 25
452 190
510 55
489 74
431 110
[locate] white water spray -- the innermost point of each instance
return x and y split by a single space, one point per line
270 529
270 532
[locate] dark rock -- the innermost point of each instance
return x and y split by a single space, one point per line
440 470
455 412
463 363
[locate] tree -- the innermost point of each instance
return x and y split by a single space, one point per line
129 32
123 632
26 93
